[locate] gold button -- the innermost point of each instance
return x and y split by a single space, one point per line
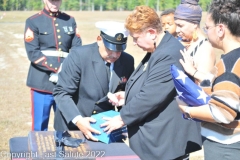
59 37
55 68
58 30
54 19
60 49
56 24
50 14
50 65
59 43
45 62
45 32
94 112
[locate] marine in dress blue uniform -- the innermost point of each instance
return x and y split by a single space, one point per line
48 38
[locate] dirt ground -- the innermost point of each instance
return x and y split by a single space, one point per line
15 119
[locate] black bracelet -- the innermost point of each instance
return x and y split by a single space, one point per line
194 73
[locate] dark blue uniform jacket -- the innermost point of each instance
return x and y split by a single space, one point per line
48 31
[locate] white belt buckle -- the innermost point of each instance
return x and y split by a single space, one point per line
61 54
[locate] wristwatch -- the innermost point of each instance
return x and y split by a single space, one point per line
187 113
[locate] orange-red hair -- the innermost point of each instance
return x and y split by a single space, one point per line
141 18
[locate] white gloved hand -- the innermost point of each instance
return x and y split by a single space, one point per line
53 77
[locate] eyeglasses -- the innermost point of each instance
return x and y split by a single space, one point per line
206 28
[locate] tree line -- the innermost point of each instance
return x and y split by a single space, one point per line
95 5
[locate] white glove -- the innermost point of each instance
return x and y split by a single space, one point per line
53 77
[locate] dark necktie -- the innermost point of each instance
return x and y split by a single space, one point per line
108 70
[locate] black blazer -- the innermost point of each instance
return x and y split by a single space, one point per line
156 128
83 84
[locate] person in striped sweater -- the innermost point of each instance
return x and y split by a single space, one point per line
221 116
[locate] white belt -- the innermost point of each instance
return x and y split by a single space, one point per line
55 53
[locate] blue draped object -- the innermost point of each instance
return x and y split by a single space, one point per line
187 90
114 136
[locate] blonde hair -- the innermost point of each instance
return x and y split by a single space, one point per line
141 18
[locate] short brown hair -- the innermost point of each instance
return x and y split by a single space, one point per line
141 18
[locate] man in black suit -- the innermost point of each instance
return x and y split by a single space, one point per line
85 79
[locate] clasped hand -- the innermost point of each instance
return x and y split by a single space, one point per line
117 99
54 76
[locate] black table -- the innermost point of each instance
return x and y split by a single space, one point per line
113 151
